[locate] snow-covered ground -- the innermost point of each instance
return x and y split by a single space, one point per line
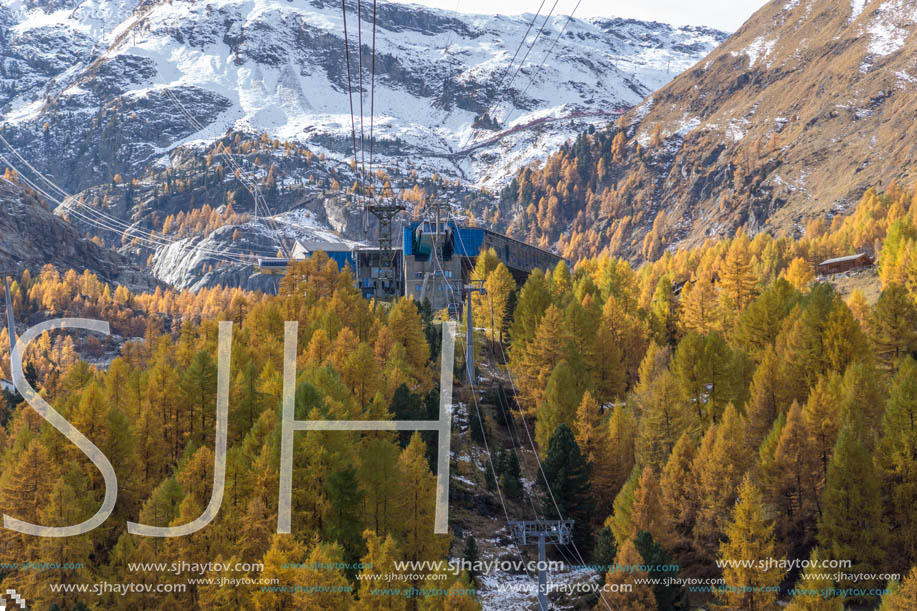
888 27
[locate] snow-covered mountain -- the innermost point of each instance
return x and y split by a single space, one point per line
124 102
112 85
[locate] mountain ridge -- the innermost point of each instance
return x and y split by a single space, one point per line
808 105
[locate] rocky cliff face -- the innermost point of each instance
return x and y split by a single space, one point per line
31 237
812 101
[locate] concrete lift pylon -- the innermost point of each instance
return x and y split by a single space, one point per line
385 213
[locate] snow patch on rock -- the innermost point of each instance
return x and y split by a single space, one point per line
856 9
759 49
888 30
279 65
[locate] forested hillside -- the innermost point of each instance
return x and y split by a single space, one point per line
735 407
726 426
151 411
31 236
719 404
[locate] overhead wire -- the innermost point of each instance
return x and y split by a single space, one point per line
516 438
538 515
240 176
353 124
544 477
493 470
492 109
99 218
362 92
509 418
500 89
50 182
68 197
372 120
519 48
239 173
30 183
452 32
544 59
131 232
96 222
372 101
450 289
118 226
534 42
514 434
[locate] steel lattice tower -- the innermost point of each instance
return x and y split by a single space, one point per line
385 213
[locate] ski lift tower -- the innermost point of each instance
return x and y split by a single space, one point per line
385 211
559 532
441 234
476 286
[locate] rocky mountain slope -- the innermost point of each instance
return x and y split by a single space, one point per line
810 103
195 223
31 237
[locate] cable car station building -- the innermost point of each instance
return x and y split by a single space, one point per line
457 249
435 262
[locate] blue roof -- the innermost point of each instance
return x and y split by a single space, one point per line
467 241
341 257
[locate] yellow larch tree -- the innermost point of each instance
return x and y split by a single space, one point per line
749 539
